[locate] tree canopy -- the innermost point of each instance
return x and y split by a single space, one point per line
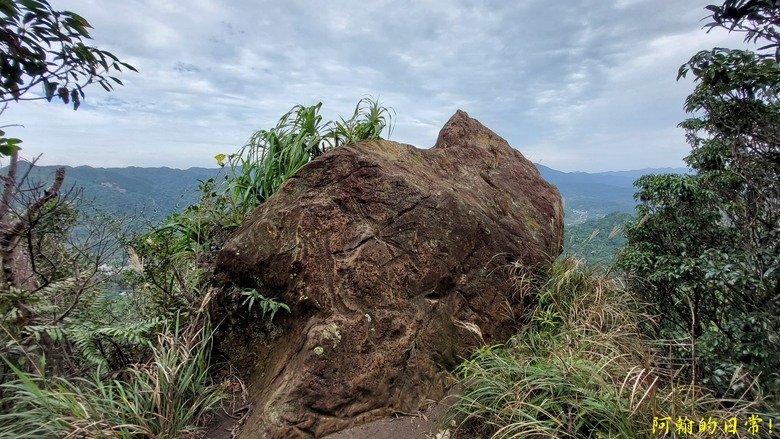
42 47
707 245
758 19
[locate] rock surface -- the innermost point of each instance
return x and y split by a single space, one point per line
394 261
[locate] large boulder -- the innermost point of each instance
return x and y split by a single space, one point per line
395 263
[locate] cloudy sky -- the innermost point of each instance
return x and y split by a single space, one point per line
576 85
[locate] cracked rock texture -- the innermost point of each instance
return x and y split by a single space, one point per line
395 263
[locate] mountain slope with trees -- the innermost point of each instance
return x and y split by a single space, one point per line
161 191
593 195
153 193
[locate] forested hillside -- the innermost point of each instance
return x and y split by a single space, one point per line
596 204
150 192
592 195
158 192
596 240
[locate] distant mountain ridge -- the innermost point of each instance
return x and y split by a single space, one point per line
157 192
152 193
593 195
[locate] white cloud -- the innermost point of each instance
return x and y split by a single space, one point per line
577 86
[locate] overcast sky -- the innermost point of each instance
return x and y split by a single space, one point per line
575 85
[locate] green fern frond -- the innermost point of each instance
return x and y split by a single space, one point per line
96 341
136 333
54 332
57 288
83 338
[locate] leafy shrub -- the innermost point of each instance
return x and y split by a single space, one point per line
580 368
78 318
92 353
705 248
165 397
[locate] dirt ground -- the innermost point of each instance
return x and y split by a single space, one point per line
425 424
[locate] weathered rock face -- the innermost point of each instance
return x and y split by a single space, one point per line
394 262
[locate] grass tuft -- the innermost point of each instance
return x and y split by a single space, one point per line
166 397
581 368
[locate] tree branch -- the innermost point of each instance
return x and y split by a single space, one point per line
16 227
9 186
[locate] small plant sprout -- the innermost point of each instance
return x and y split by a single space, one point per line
267 305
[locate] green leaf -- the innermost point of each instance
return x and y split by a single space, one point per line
63 94
128 66
9 146
8 150
74 96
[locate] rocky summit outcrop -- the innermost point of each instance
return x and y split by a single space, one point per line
395 263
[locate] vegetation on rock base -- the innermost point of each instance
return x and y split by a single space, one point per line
703 253
124 350
582 367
